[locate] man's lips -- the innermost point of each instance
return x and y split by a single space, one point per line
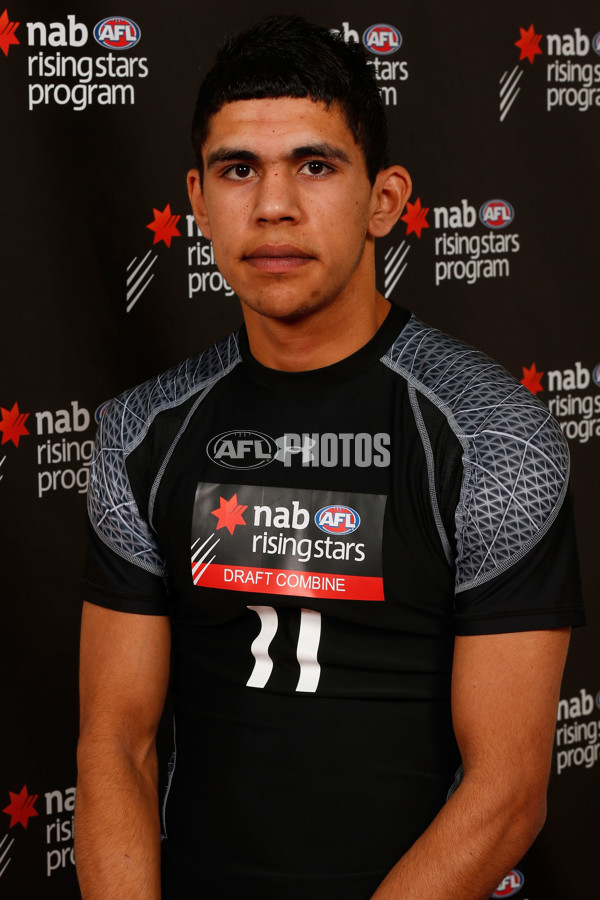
277 258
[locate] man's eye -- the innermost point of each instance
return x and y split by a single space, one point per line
315 167
239 172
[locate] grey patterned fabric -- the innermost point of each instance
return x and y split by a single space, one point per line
516 461
112 509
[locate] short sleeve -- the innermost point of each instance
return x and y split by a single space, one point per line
515 561
113 582
517 566
541 589
124 568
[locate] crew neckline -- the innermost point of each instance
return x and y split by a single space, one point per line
369 353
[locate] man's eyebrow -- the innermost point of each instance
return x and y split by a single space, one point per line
229 154
321 150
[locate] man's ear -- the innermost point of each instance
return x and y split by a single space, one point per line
390 192
194 185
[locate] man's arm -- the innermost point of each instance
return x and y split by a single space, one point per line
124 673
505 691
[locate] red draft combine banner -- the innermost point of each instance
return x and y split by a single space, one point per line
285 581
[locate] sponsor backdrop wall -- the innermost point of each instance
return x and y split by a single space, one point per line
106 280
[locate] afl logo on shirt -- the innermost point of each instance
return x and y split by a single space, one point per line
337 519
510 885
496 214
117 33
242 449
383 40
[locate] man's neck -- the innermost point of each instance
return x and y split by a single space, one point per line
312 342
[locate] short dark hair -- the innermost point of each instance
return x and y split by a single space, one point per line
286 56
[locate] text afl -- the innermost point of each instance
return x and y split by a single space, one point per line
337 519
382 40
117 33
496 213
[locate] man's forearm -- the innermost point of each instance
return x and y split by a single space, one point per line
117 829
473 842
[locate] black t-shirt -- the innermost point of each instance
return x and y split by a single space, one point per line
318 539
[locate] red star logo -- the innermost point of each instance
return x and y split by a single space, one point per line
528 44
164 225
13 424
21 808
415 217
532 379
7 33
229 513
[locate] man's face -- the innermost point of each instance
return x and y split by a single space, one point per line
287 202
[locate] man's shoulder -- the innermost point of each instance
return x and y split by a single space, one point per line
447 367
475 392
515 458
129 415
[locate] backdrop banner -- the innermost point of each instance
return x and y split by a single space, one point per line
106 281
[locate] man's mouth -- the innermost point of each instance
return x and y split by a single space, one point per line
277 258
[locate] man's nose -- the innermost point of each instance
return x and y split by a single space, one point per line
277 198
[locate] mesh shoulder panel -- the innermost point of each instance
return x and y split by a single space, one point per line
112 508
516 460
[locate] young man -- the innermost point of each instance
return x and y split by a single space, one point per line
350 531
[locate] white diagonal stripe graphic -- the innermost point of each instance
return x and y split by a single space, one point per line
7 848
514 97
513 90
137 268
514 72
203 544
135 299
198 562
143 275
390 289
390 274
397 251
203 569
509 91
145 267
394 268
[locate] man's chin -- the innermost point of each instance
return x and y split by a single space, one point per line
284 309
